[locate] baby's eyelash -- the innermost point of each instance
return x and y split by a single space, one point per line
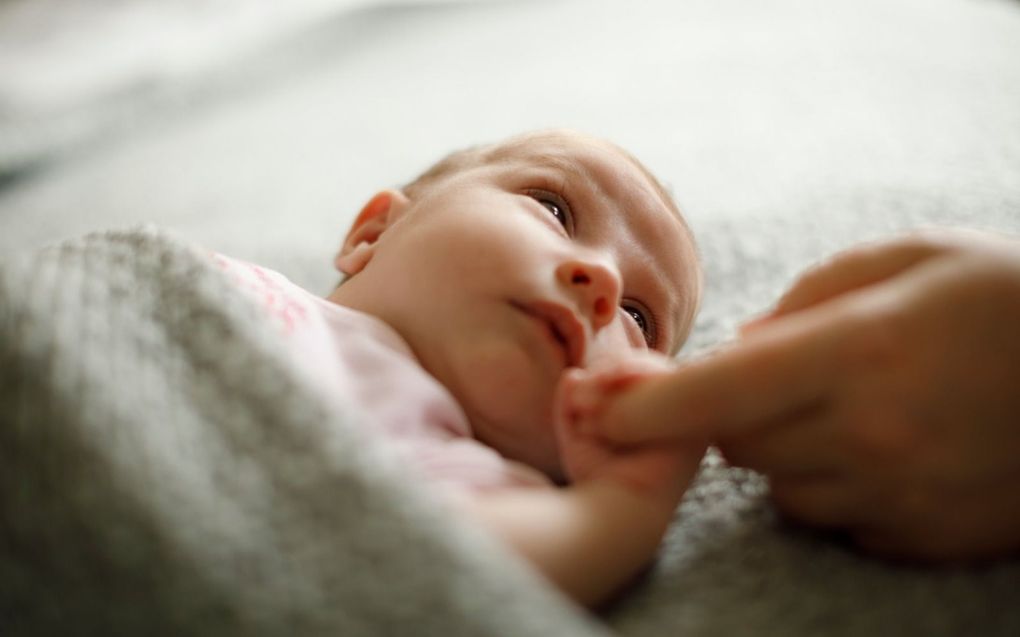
650 331
653 330
558 206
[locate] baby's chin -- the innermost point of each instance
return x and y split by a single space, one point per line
512 441
508 400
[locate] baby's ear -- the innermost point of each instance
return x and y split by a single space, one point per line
375 217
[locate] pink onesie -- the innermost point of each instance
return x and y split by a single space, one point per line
363 361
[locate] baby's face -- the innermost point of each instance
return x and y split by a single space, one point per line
558 251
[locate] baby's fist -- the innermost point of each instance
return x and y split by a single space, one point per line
582 397
583 394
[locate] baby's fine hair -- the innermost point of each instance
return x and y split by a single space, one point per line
477 155
451 164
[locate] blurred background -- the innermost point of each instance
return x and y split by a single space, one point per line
258 128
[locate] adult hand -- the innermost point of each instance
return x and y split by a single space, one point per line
881 397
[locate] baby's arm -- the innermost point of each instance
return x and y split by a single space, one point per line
593 537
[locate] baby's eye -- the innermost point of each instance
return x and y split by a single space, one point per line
644 323
556 211
555 205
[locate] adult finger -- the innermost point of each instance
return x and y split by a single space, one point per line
782 370
953 525
802 446
853 269
828 502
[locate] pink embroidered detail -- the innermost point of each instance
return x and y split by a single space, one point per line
267 290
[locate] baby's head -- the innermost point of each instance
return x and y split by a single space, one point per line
505 264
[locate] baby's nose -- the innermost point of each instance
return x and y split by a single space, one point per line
595 286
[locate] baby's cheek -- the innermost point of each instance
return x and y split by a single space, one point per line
496 378
509 403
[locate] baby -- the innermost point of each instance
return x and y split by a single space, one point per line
486 309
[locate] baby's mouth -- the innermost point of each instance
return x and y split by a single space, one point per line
563 326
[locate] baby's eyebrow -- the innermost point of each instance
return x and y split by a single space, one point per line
676 329
669 315
573 170
685 304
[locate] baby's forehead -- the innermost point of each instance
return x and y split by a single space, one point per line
604 165
558 150
600 163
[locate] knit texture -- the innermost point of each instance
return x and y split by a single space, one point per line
165 469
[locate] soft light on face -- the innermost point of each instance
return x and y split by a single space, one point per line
555 250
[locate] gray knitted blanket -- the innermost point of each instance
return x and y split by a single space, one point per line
163 469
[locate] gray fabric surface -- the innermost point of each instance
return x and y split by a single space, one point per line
164 469
787 130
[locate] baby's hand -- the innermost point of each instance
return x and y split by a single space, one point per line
582 395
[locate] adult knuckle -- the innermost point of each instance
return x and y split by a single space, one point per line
929 239
811 277
875 339
883 435
882 426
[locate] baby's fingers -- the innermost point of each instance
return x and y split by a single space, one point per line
583 393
